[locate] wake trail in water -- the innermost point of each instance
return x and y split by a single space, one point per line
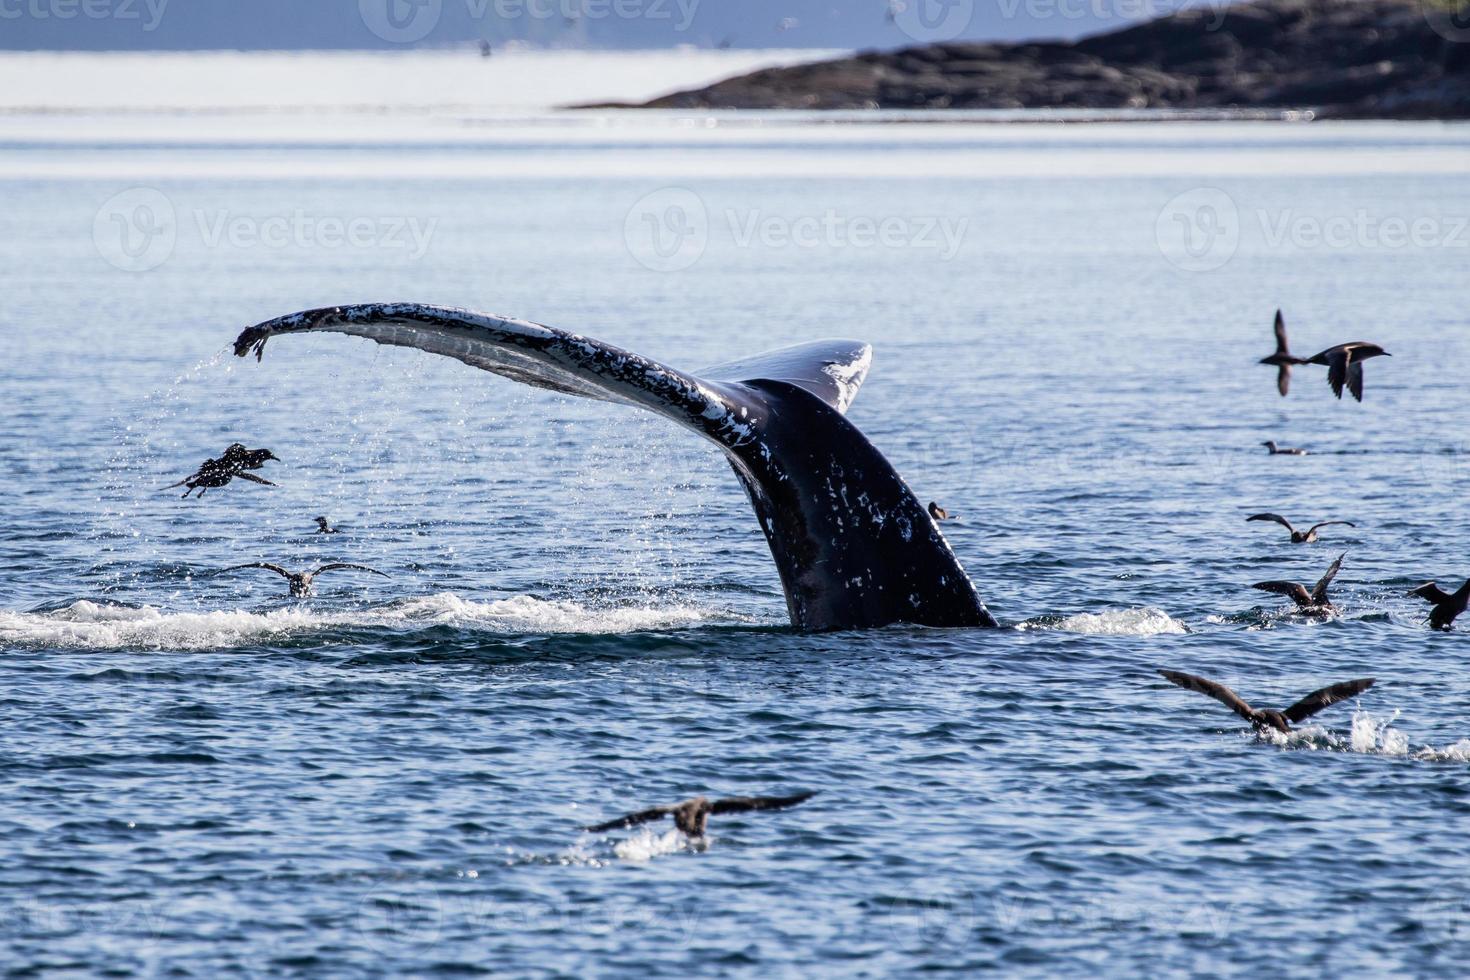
1145 621
95 626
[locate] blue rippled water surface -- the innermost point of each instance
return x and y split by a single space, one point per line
202 776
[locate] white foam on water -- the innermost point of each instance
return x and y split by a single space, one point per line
648 844
1370 735
1146 621
96 626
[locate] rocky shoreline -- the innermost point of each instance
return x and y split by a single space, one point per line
1374 59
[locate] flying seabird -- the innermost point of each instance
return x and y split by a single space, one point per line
1447 608
1281 451
300 582
232 463
937 512
323 527
1270 717
691 815
1308 536
1282 359
1345 365
1314 602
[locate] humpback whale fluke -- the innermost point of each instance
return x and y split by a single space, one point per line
692 816
854 547
1282 359
1314 603
1270 717
300 582
1309 536
1447 607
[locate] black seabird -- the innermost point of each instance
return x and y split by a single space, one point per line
232 463
1309 536
937 512
1447 608
1314 602
1270 717
691 816
1282 451
1345 365
1282 359
323 527
300 582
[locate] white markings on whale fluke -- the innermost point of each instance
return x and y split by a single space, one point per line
846 560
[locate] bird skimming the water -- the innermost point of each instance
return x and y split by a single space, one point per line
691 816
235 460
1270 717
300 582
1282 360
1309 536
1447 608
1345 365
1314 603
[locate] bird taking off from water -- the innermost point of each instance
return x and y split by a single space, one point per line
1282 360
1260 718
300 583
1345 365
1309 536
1447 608
235 460
1314 602
691 816
1276 450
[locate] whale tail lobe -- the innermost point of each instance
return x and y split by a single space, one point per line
852 544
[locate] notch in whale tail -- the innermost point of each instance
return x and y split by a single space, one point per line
853 545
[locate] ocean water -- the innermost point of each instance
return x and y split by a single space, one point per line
202 775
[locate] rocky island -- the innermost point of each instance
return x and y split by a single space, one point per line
1384 59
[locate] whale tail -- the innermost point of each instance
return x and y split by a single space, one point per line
852 544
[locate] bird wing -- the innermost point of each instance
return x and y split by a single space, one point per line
1283 380
1317 700
1319 591
741 804
1272 517
1296 591
1336 359
1431 592
1355 378
181 482
1316 527
633 819
344 564
256 564
1212 689
254 479
1281 345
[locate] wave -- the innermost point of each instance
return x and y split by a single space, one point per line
1145 621
90 625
